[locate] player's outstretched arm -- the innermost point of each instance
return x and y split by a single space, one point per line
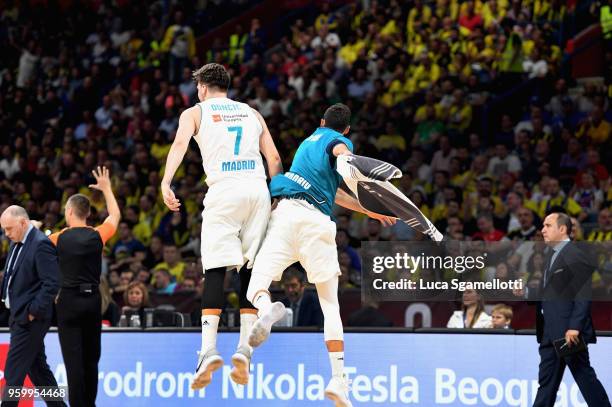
268 148
186 129
103 184
346 201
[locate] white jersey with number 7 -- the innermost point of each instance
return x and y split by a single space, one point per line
229 141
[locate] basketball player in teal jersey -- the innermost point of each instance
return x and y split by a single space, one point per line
301 229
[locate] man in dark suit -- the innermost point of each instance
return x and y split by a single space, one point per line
29 286
304 303
565 312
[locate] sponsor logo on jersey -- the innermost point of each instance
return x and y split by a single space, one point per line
234 118
216 118
238 165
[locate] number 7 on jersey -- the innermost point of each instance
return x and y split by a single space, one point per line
238 130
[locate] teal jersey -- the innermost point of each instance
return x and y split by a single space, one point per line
313 171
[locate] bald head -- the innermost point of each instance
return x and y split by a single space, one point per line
16 211
14 221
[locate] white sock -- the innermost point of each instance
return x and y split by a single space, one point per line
210 323
246 322
337 363
262 302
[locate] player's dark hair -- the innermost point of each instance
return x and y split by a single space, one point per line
80 205
213 75
337 117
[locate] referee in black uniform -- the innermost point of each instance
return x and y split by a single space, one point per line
79 309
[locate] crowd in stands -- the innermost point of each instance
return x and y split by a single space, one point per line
103 83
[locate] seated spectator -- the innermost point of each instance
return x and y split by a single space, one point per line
188 284
342 241
304 303
486 230
569 117
574 159
361 86
535 66
127 243
514 202
155 252
344 280
454 228
113 279
503 272
136 299
596 130
369 316
589 197
460 112
144 276
173 226
535 269
527 229
353 275
9 164
163 283
428 131
472 313
557 197
604 291
441 158
374 231
470 19
594 166
505 135
104 114
125 278
501 316
110 310
262 103
325 39
172 263
503 162
603 231
576 234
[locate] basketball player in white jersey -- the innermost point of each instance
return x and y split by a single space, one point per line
232 137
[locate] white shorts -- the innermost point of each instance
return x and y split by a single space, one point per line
299 232
234 222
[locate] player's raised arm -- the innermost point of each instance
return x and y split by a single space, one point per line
187 128
103 184
268 148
